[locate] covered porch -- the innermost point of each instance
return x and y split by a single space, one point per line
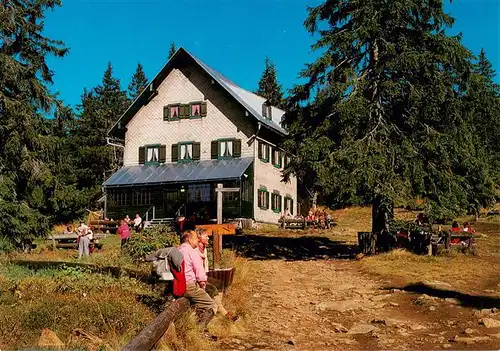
185 189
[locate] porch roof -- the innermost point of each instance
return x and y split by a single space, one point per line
195 171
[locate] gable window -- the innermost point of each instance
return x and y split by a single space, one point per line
263 152
267 110
263 198
195 109
171 112
174 112
186 151
152 154
226 148
276 158
276 201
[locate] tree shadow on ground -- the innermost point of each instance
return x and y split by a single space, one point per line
259 247
466 300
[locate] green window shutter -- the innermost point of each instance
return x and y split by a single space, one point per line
285 160
237 148
291 206
175 152
268 148
273 156
203 110
187 111
162 154
166 113
267 200
280 203
259 151
196 151
214 149
280 159
259 201
142 155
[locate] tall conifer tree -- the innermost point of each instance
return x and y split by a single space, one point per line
138 83
269 86
100 109
381 115
172 50
25 173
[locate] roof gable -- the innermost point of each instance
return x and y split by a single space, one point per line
250 101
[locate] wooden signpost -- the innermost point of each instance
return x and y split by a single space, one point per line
219 229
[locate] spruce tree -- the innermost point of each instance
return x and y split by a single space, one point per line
99 110
483 108
269 87
172 50
25 172
381 116
138 83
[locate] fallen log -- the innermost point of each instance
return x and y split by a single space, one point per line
149 336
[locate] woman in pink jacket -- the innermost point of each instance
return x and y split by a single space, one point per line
124 232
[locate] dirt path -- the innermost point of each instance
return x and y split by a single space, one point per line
329 304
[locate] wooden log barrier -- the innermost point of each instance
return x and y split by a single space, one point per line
151 334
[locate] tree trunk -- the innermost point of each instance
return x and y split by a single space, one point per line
382 216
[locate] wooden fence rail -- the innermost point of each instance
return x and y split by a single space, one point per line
152 333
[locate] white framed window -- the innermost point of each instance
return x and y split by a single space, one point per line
153 154
226 148
186 151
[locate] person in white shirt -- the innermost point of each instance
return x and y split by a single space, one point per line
84 240
137 222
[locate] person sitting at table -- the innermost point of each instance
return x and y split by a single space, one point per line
455 227
68 230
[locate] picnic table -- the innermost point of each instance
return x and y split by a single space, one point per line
303 223
69 241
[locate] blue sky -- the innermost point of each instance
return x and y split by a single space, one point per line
232 36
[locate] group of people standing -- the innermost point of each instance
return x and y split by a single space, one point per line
124 228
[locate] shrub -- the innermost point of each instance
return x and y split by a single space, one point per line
6 245
150 240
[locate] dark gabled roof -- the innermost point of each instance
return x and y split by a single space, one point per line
250 101
195 171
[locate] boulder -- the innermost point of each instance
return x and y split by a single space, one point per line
471 340
339 328
490 322
49 339
362 328
436 284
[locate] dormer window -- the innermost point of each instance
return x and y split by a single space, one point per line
195 109
267 110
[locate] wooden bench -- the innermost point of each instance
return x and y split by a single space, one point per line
293 223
